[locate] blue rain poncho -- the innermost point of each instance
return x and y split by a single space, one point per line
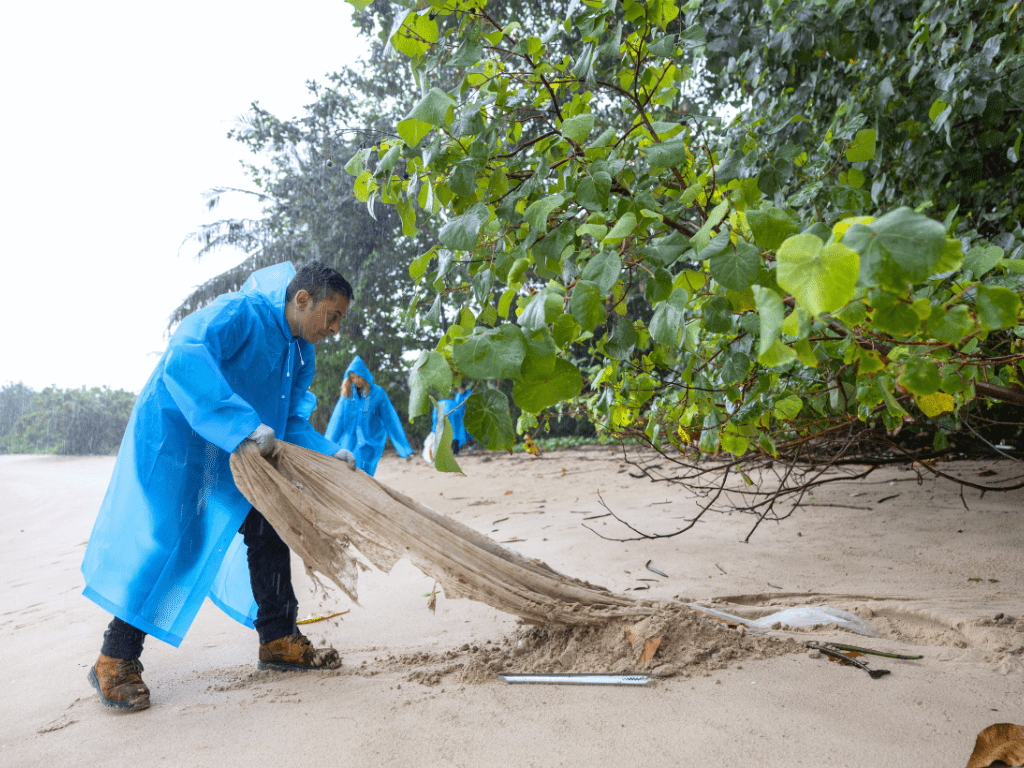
456 415
363 424
167 533
462 435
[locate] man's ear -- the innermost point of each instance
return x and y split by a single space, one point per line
302 299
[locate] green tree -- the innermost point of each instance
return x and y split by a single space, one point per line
71 422
15 401
310 212
728 292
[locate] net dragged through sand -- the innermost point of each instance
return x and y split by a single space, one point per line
323 510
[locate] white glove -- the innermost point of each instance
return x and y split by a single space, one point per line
347 456
264 438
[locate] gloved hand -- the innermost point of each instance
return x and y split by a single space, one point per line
264 438
347 456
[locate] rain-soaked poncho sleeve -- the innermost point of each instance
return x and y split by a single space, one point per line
299 431
393 426
193 377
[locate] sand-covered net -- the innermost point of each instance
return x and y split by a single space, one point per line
324 511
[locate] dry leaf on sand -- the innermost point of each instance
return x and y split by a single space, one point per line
635 632
1003 741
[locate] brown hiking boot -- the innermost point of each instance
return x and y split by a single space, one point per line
296 653
119 683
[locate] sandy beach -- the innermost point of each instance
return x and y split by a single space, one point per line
934 574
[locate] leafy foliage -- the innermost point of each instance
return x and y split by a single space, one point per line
747 288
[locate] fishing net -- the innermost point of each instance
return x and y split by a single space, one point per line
324 511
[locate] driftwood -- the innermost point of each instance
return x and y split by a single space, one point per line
323 510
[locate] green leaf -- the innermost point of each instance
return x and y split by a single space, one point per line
920 376
357 164
980 259
429 370
505 302
564 330
444 459
776 355
772 313
419 265
622 339
359 4
433 108
693 36
469 53
736 268
497 353
592 192
717 245
821 278
893 316
483 281
543 308
413 131
952 256
537 216
788 407
771 226
664 47
463 179
950 326
578 128
603 269
389 160
902 246
564 383
659 286
667 323
667 154
862 148
540 355
997 307
518 269
489 420
623 227
735 367
461 233
718 315
408 216
587 304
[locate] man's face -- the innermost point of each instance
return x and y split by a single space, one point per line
315 322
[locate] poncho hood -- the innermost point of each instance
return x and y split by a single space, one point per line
358 367
272 284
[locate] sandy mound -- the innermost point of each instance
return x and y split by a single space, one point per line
673 641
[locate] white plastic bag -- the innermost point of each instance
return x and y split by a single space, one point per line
799 616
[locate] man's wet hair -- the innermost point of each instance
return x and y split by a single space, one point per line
318 280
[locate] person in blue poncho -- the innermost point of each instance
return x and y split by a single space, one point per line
364 419
462 435
454 409
173 528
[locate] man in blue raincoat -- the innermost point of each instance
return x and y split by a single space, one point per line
364 419
173 528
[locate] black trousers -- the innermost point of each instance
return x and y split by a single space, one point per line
271 577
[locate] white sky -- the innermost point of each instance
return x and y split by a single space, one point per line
114 122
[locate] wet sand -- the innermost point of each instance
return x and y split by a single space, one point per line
929 574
